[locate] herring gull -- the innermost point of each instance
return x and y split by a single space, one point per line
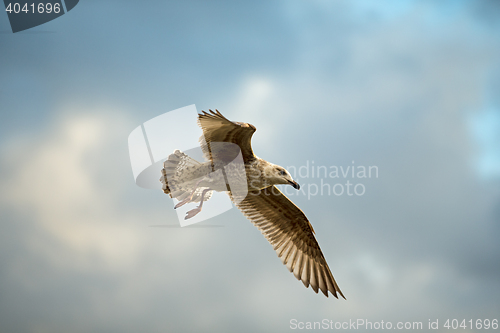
281 222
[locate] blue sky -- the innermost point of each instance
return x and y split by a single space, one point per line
408 86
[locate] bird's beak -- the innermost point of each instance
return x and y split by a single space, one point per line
294 184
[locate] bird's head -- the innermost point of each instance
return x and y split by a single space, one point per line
281 176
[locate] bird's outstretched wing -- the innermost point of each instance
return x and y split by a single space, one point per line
217 128
288 230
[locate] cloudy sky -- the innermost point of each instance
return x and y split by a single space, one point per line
411 87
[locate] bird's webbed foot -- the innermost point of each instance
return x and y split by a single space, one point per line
194 212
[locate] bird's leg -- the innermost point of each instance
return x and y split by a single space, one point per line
195 211
188 199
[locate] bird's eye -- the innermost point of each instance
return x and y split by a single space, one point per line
282 172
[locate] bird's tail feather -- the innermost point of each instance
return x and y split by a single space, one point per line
171 174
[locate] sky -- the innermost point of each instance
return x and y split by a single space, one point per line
410 88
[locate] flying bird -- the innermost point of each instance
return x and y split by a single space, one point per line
253 191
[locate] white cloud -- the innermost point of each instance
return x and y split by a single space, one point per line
52 182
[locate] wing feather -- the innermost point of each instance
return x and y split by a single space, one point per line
288 230
217 128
